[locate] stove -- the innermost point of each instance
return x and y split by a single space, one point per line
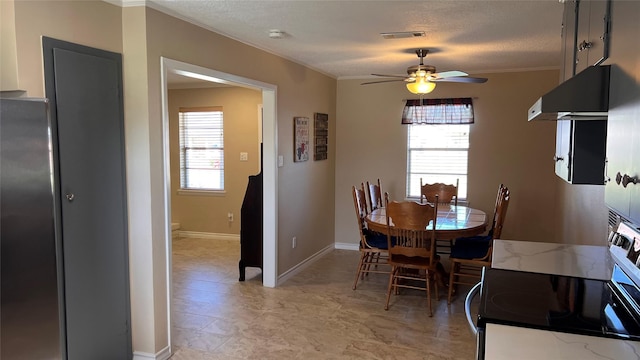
568 304
557 303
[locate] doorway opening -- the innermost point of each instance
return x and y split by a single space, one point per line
269 154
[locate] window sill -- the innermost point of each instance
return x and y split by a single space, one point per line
218 193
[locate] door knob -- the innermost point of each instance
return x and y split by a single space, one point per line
70 197
618 178
584 45
626 180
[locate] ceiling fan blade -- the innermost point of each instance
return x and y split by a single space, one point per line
461 79
446 74
381 81
385 75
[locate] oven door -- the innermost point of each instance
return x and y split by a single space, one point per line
477 331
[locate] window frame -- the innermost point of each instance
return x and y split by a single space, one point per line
463 177
183 153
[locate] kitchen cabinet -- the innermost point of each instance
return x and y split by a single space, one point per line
623 143
580 151
568 39
581 144
585 35
592 30
622 191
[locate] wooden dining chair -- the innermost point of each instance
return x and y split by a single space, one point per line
374 193
470 255
373 246
447 193
412 252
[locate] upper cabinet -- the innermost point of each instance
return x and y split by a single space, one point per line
622 190
585 35
592 46
581 144
580 151
569 39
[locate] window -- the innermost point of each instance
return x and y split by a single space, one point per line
201 149
437 153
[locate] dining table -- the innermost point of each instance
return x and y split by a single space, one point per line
453 221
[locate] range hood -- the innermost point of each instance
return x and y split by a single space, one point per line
585 96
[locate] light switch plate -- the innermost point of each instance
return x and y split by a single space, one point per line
280 161
244 156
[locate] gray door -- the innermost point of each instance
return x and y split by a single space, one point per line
85 89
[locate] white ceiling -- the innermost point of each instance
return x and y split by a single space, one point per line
342 38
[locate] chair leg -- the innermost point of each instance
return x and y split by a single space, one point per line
394 269
366 266
452 278
360 266
429 295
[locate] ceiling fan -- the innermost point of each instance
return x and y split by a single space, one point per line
421 78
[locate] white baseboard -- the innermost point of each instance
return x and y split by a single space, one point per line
205 235
163 354
347 246
304 264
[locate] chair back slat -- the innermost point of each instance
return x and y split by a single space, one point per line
502 203
446 193
374 193
360 205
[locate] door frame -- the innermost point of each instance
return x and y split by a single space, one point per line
269 166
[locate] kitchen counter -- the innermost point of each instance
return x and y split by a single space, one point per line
509 342
585 261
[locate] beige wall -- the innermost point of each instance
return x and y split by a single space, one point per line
306 189
80 22
8 50
504 148
240 108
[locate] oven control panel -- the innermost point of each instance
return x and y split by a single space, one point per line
624 246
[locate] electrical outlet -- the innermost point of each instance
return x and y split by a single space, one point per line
244 156
293 242
230 216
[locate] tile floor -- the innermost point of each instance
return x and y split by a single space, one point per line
314 315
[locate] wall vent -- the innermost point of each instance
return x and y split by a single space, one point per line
615 219
402 34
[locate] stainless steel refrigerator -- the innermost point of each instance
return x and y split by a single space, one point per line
30 311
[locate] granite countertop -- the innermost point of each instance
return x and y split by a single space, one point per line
509 342
585 261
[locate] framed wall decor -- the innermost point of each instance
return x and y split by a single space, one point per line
301 139
321 132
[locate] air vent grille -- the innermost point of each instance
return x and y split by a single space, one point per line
402 34
615 219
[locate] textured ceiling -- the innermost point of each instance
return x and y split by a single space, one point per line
342 38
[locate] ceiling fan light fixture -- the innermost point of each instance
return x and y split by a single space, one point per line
421 86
